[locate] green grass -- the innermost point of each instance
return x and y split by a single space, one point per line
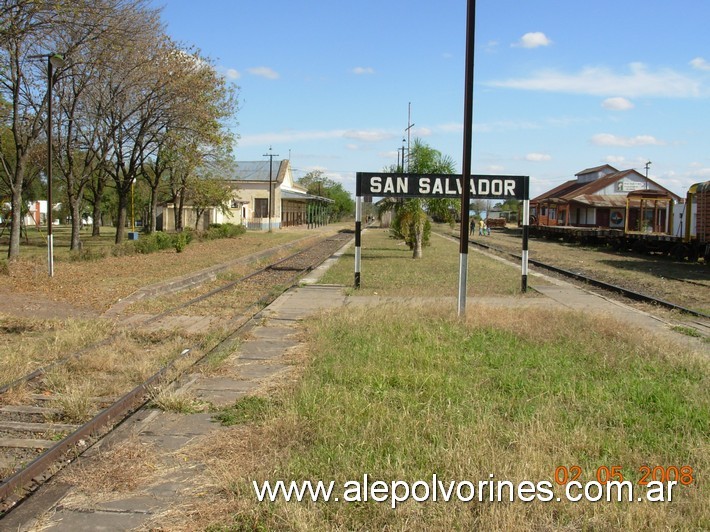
246 410
403 394
389 270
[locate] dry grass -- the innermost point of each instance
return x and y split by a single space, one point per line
27 344
511 393
178 401
123 468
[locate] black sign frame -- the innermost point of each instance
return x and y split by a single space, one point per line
409 185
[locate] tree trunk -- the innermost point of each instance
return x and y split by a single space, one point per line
153 208
15 224
13 251
75 206
96 211
418 237
179 205
121 222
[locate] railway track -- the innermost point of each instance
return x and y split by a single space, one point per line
40 430
608 287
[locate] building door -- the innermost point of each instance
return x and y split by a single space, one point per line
603 217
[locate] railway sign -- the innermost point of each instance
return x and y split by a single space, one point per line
405 185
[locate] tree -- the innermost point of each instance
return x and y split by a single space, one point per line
193 125
319 185
410 220
209 192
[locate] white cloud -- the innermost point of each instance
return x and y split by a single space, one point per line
292 136
538 157
607 139
264 72
232 73
368 135
492 168
450 128
421 132
615 159
600 81
617 104
533 40
363 70
700 64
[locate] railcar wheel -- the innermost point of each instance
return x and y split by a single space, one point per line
679 252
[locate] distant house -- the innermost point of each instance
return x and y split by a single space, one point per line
250 180
599 197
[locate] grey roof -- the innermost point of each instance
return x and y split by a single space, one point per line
255 171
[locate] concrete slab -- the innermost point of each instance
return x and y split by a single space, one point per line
95 521
256 371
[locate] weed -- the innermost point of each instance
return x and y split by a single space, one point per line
688 331
176 401
246 410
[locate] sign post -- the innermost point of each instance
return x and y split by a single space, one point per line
405 185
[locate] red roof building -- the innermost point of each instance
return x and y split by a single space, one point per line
601 197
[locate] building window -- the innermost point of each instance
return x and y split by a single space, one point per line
553 213
543 211
261 208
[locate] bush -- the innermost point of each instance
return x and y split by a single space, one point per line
124 249
180 241
4 267
154 242
216 231
86 254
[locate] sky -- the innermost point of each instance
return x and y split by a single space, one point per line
559 85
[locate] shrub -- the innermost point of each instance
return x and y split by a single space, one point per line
180 241
216 231
4 267
124 249
154 242
86 254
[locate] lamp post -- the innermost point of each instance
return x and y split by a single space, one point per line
54 60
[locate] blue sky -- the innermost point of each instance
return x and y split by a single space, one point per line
560 85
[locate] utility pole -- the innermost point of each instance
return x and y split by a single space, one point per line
271 164
407 129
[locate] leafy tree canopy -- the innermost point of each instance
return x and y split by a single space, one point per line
319 185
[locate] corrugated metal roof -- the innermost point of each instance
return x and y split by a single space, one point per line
256 171
598 200
291 194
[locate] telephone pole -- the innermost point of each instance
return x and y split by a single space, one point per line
271 165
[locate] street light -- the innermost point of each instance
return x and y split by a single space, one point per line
54 60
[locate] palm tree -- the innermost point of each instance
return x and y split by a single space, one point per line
410 216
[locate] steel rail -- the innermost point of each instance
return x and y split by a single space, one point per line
626 292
